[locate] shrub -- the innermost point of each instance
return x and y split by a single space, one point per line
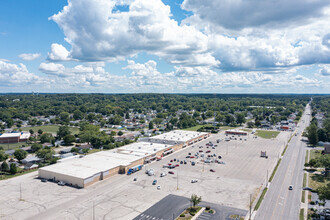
207 208
211 211
312 203
182 215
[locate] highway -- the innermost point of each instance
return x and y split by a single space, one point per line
280 202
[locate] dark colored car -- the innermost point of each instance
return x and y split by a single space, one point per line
170 172
212 170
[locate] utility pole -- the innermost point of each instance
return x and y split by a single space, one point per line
250 207
20 192
93 211
177 181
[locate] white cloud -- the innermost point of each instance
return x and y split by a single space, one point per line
325 70
58 53
96 33
16 75
237 14
29 56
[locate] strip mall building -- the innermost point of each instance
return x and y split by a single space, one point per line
82 171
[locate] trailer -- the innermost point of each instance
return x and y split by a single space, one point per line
134 169
264 154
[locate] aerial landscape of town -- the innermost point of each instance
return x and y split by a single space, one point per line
165 110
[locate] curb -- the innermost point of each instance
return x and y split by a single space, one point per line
198 214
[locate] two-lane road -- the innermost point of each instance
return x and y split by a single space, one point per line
280 202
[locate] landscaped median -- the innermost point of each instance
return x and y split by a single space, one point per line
189 213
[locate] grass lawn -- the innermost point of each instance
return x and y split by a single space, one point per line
195 128
12 146
185 215
317 180
274 171
226 128
50 129
303 194
246 129
314 154
260 199
306 157
305 180
4 176
267 134
301 214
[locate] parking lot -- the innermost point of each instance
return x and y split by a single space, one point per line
120 197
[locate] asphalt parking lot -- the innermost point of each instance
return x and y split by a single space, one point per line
120 197
173 205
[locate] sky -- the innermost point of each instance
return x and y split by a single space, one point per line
165 46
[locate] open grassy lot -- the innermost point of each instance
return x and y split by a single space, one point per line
50 129
226 128
317 180
12 146
314 154
195 128
267 134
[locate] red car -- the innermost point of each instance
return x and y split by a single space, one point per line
212 170
200 150
208 151
177 165
169 164
171 160
170 172
192 157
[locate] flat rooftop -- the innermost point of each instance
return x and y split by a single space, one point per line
92 164
143 148
178 136
7 135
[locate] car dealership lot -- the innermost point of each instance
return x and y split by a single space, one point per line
120 197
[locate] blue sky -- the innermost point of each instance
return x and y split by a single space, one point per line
184 46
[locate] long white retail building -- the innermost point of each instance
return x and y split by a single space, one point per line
82 171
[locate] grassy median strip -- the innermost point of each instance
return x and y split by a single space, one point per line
305 180
301 214
260 199
306 157
286 147
274 171
303 196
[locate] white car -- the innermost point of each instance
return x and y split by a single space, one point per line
194 181
290 187
162 174
158 187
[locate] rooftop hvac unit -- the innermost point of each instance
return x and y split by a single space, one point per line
139 147
155 149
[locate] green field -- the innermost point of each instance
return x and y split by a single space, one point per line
314 154
50 129
195 128
12 146
317 180
267 134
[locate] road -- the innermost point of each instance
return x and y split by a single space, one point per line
279 202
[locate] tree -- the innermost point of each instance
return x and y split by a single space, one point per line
40 132
74 150
113 133
3 156
65 116
77 115
312 134
151 125
45 154
324 192
240 118
257 123
4 167
31 131
229 119
120 133
322 135
13 168
88 131
63 131
68 139
20 154
46 138
195 200
35 147
250 124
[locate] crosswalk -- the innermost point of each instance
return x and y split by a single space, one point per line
205 216
147 217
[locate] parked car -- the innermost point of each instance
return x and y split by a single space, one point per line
170 172
219 157
194 181
189 153
134 179
188 156
43 180
192 156
193 163
171 160
154 182
158 187
290 187
162 174
185 162
181 162
177 165
208 151
212 170
61 183
174 159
